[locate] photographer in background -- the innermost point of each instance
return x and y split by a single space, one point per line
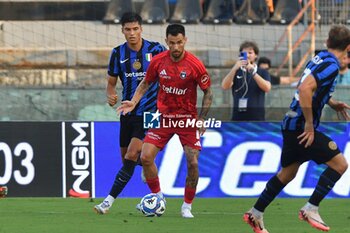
248 84
344 71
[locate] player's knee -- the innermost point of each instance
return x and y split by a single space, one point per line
192 165
339 164
132 154
146 159
343 167
285 178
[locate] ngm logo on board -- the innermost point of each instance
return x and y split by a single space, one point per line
78 157
159 120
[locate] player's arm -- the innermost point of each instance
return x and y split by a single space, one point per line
111 93
340 107
128 105
206 103
228 81
306 89
112 78
140 91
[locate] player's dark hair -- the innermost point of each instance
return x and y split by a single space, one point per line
175 29
264 60
130 17
338 37
249 44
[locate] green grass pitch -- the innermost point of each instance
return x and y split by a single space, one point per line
224 215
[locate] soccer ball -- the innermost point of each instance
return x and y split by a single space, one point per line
152 205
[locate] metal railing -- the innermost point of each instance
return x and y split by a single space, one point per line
309 30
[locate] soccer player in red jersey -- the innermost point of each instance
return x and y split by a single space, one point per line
178 73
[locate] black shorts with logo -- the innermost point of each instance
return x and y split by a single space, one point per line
321 150
130 127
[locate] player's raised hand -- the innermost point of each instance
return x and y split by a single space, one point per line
126 107
112 99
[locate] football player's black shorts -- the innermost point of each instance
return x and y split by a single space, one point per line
321 150
130 127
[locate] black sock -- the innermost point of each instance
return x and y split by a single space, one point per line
123 177
139 160
325 184
273 187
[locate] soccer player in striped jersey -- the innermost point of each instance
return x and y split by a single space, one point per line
301 140
179 73
129 61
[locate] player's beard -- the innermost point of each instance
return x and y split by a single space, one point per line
177 54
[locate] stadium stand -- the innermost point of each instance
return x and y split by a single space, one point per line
187 12
115 10
344 14
220 12
333 11
155 11
252 12
52 10
285 11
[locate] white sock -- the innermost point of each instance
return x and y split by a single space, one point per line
308 205
160 194
257 213
110 199
187 205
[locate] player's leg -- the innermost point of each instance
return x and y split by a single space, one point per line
107 203
323 150
131 145
190 140
125 135
191 180
138 132
290 165
254 217
336 168
310 211
148 155
123 151
154 141
275 185
128 168
150 170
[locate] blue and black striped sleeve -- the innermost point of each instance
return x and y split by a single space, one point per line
113 66
325 73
